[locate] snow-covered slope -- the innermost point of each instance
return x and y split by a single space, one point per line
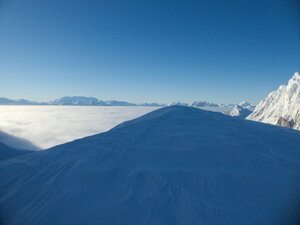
176 165
281 107
16 142
238 111
7 152
12 146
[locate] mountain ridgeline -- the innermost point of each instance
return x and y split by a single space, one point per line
92 101
281 107
175 165
74 100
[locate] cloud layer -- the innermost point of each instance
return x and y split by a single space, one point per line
47 126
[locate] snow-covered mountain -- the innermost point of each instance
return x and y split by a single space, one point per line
7 152
6 101
178 104
281 107
175 165
247 105
242 110
92 101
152 104
197 104
203 104
238 111
76 101
81 100
118 103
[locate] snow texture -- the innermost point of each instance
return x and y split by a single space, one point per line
176 165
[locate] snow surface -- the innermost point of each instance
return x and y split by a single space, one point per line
281 107
47 126
16 142
176 165
7 152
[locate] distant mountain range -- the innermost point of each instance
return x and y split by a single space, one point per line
241 110
76 101
6 101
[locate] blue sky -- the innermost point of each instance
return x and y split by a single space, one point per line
148 51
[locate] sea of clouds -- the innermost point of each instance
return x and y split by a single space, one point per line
47 126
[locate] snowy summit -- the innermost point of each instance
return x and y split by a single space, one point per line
238 111
281 107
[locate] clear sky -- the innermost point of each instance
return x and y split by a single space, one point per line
222 51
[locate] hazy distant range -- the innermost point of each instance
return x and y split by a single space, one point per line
92 101
74 100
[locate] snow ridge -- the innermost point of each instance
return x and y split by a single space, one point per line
175 165
281 107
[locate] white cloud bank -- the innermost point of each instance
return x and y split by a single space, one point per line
47 126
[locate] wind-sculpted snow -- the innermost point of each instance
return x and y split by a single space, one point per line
176 165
